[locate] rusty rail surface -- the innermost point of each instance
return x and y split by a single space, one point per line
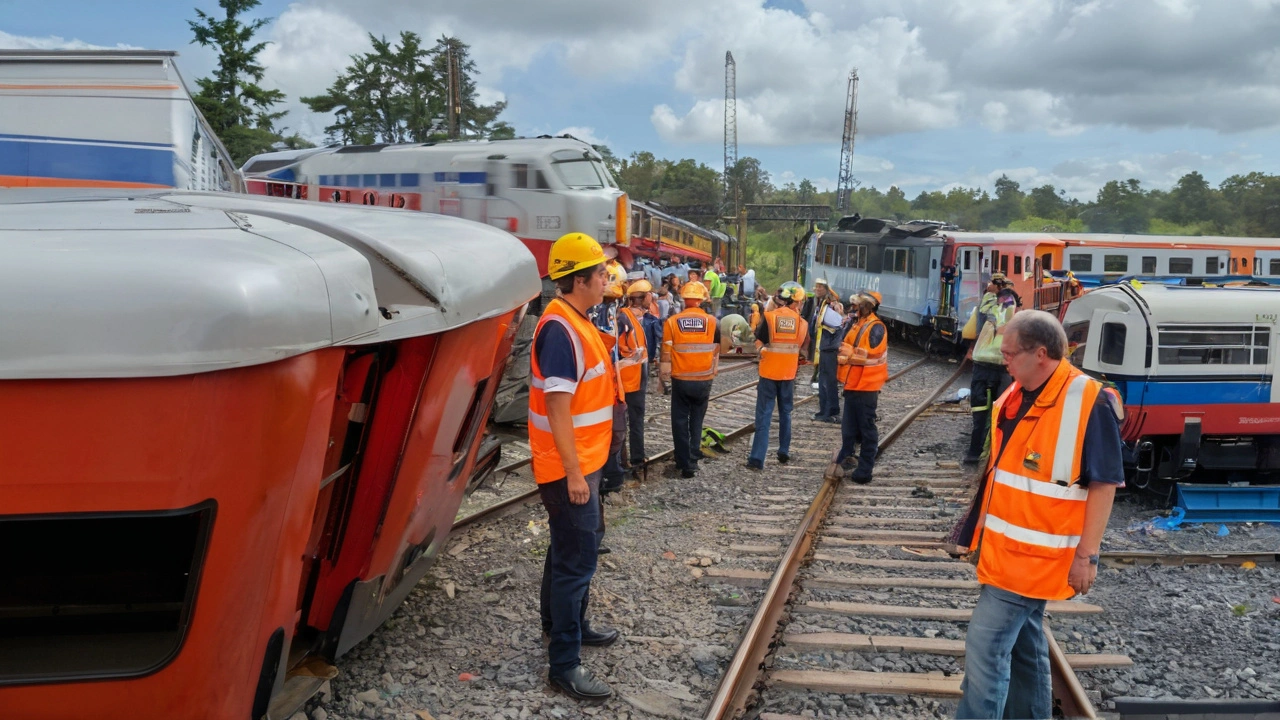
739 680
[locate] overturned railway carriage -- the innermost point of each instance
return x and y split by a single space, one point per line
1196 369
238 432
931 282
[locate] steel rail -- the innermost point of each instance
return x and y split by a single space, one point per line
1069 695
733 435
739 680
1129 557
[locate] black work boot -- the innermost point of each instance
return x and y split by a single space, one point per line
599 638
581 684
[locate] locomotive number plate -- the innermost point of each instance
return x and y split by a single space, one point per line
548 222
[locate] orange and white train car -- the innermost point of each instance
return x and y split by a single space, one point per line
236 431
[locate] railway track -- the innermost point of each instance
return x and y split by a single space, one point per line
727 409
850 544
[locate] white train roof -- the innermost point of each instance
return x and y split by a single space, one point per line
1192 304
1004 238
107 283
407 155
1103 240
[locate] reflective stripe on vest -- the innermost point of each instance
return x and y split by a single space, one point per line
780 359
694 353
1034 507
590 407
631 366
871 376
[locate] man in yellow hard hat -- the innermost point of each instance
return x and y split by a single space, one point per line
633 365
571 410
690 356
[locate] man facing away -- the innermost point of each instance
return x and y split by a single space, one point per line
778 338
1037 525
989 378
826 345
865 350
690 356
571 399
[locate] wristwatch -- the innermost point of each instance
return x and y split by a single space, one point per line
1093 559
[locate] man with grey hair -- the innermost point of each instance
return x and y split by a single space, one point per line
1036 526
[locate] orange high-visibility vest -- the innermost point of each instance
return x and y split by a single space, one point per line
632 354
1034 507
780 358
694 352
591 405
872 376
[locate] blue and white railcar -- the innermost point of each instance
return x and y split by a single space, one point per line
1196 368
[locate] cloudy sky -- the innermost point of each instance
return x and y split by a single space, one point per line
1068 92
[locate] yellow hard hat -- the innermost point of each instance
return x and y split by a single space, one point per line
639 286
616 271
791 291
694 291
573 252
613 290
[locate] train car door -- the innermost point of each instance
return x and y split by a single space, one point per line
1121 357
969 274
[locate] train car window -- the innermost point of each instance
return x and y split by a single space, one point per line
967 260
995 259
1273 266
1080 262
862 257
1111 351
1211 266
1017 264
911 263
521 176
888 261
1046 261
1233 265
1180 266
1115 263
1148 265
828 254
933 265
541 181
1213 345
1026 264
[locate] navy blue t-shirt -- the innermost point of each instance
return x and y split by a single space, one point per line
554 350
1101 460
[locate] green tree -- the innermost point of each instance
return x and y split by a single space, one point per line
807 192
1192 200
383 95
473 119
1121 207
640 175
688 182
1254 203
750 179
1007 206
237 107
1047 202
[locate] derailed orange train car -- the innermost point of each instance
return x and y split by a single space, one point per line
235 432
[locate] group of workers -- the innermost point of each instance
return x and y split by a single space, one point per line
1048 433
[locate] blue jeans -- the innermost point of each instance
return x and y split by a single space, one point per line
688 407
635 419
1006 659
571 562
828 385
766 393
858 430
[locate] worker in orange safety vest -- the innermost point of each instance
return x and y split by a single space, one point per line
780 339
865 351
1037 524
633 365
690 357
572 394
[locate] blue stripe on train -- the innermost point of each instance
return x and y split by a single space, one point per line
83 161
1174 392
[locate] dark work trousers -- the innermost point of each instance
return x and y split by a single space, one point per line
688 408
571 561
635 420
858 429
988 383
613 469
828 386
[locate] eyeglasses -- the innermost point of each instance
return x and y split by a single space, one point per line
1010 355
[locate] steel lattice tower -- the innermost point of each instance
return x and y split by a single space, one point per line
844 187
730 124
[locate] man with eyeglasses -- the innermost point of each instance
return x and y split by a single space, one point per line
1036 526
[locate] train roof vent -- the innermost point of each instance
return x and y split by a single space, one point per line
914 229
361 148
867 225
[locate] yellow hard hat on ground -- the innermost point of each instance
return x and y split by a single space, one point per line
573 252
639 286
694 291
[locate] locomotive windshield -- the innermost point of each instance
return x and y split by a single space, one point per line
582 174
